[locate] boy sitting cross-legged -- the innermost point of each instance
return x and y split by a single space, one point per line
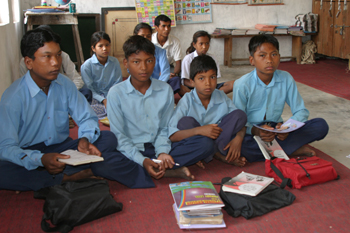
139 110
263 93
208 113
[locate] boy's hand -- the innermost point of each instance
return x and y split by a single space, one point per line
105 102
167 161
281 136
86 147
211 131
153 169
266 136
234 147
51 163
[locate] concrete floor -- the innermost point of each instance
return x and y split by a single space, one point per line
335 110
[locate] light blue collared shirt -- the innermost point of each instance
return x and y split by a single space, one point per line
257 99
136 119
29 116
190 105
162 66
100 78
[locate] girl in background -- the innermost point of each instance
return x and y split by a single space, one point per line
101 71
200 45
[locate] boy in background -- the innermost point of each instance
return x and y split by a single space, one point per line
208 113
139 110
263 93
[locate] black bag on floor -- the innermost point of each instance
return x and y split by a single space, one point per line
73 203
271 198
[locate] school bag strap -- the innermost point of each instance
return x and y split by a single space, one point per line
285 181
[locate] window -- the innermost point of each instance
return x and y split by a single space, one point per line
4 12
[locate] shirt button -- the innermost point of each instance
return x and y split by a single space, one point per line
48 118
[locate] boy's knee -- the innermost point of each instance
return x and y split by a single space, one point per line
320 126
108 140
187 122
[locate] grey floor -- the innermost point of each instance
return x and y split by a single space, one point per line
335 110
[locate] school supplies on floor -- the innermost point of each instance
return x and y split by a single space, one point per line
289 126
247 183
78 158
197 203
271 149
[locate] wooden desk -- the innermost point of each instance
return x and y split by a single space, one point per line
55 18
296 47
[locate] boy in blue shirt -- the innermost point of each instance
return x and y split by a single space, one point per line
139 110
207 113
35 130
263 93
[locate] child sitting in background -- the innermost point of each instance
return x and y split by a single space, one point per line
263 93
208 113
139 110
101 71
200 45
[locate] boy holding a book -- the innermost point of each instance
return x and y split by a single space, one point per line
207 113
139 110
263 93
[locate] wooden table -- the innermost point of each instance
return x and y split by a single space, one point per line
296 47
33 18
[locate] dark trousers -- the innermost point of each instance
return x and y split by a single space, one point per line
118 167
231 124
87 93
313 130
15 177
175 83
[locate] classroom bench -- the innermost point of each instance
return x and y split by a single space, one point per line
296 46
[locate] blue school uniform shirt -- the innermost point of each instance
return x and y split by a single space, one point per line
29 116
257 99
100 78
137 119
190 105
162 66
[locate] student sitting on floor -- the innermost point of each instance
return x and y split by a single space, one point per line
139 110
206 112
67 69
200 45
34 129
263 93
101 71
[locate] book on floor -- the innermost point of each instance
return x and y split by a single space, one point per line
247 183
186 221
271 149
289 126
193 195
78 158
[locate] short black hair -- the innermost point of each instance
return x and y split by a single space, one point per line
163 18
35 39
140 26
257 41
97 36
202 64
136 44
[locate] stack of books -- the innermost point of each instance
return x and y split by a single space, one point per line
281 29
252 31
222 31
247 184
296 31
265 27
239 31
197 205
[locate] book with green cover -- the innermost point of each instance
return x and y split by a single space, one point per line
195 195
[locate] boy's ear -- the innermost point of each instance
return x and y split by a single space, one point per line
125 63
28 62
251 60
192 82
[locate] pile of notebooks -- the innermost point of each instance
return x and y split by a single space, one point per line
222 31
197 205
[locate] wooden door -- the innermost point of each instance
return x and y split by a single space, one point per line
324 37
119 24
341 37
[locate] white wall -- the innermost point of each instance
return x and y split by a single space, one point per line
223 16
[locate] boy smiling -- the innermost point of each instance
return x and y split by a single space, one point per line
263 93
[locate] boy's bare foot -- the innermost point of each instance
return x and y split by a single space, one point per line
182 172
240 162
200 164
84 174
18 192
304 150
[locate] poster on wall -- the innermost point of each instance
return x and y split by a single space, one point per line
193 11
148 10
257 2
